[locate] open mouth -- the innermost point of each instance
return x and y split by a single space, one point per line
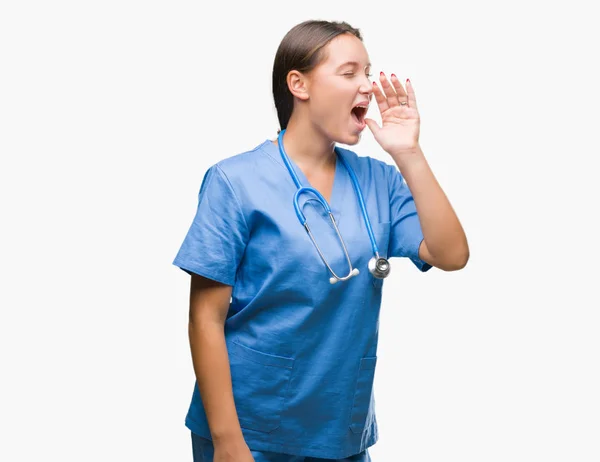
358 114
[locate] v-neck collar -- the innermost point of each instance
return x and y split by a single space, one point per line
340 176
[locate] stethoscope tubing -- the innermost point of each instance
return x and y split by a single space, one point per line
322 200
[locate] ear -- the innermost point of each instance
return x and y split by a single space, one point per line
297 83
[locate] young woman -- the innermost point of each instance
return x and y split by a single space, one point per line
284 310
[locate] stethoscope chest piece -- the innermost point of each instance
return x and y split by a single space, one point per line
379 267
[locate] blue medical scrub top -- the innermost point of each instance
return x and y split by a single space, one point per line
302 351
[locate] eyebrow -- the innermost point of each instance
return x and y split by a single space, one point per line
354 63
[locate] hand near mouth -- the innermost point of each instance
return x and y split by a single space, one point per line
399 132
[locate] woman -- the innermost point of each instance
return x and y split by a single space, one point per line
284 334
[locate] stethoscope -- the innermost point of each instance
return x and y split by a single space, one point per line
378 266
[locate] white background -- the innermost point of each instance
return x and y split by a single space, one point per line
111 112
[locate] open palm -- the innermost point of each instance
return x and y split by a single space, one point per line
399 116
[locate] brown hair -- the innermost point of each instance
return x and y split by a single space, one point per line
302 49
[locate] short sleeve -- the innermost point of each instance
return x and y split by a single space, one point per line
217 237
405 228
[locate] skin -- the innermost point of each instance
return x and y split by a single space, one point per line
323 100
209 303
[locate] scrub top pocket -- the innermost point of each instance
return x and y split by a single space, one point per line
362 394
259 382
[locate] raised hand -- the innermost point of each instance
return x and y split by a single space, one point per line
399 133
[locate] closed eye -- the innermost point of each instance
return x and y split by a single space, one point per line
351 74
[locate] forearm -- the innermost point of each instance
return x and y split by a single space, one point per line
442 231
212 369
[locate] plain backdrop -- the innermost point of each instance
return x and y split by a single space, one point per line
111 112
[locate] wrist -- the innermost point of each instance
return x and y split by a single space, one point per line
406 158
227 437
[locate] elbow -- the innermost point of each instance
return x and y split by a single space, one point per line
456 261
460 263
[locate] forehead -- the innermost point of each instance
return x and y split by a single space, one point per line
343 49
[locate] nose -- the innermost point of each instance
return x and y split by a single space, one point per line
366 87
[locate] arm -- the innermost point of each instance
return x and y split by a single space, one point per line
444 242
209 302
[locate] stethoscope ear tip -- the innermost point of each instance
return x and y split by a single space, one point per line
355 272
332 280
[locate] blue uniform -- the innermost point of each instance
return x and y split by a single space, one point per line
302 351
204 451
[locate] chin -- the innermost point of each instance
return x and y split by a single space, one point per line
350 139
355 139
345 136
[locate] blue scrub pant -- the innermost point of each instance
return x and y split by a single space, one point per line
203 452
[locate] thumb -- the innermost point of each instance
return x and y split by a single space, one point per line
373 126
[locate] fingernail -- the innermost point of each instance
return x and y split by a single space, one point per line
408 80
394 75
381 74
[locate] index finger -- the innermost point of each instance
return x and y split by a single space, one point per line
381 99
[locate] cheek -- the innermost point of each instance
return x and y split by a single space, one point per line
331 103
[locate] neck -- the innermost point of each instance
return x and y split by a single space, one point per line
307 146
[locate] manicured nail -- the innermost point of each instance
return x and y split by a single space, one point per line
408 80
381 74
394 75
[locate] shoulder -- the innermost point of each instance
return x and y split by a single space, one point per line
243 166
240 162
367 166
